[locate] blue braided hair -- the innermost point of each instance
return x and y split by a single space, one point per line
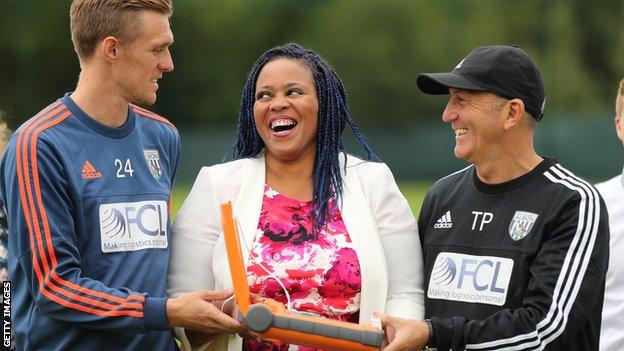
333 114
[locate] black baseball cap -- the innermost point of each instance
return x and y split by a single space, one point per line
506 71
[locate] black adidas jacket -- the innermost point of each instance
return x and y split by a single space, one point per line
515 266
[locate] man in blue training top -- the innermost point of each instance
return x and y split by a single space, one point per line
87 184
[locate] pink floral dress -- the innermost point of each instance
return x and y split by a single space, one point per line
322 273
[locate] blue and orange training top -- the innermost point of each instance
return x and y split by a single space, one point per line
89 229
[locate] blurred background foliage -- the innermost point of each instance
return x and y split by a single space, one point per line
377 47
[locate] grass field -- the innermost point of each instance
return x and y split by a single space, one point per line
414 191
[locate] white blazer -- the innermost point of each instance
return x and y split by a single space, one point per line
377 217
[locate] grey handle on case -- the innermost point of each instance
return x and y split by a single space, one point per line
259 319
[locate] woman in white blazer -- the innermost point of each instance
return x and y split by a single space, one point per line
289 148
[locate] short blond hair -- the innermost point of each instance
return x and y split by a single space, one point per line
619 100
93 20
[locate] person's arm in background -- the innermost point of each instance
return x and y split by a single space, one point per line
195 232
5 134
196 310
4 247
401 243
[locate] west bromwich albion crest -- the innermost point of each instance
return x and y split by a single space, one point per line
521 224
153 162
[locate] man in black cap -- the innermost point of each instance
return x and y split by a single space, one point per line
515 246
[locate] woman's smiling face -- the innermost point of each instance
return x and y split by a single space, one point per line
286 109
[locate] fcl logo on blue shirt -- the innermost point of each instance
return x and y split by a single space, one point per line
153 162
521 224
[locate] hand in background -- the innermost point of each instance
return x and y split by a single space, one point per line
408 334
